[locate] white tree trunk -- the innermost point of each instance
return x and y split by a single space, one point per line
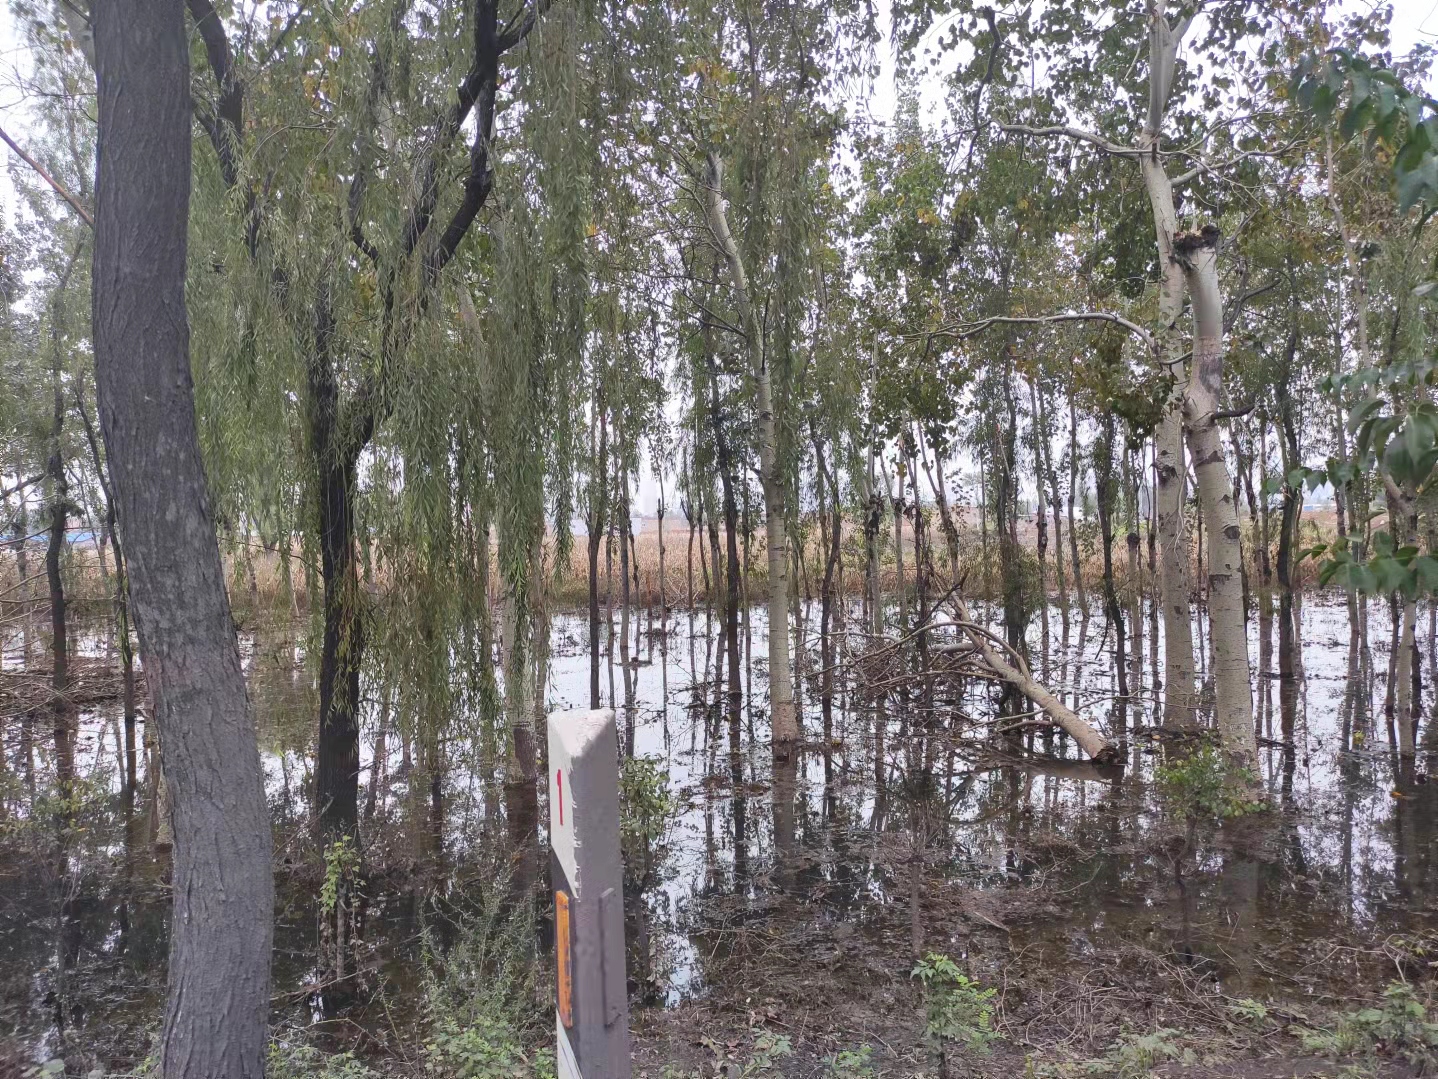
784 718
1197 253
1172 471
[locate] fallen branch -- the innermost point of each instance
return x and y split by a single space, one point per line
1017 674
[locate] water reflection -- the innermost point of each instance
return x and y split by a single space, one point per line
898 830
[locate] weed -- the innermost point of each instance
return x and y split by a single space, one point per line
341 863
767 1049
482 997
646 810
1251 1011
1136 1055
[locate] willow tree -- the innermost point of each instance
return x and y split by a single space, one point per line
352 156
218 1007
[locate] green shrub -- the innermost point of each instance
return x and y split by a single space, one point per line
1398 1028
1204 786
957 1010
295 1060
484 997
853 1063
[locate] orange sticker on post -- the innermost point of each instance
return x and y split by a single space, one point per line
564 979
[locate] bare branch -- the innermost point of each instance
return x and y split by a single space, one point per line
964 330
1234 413
22 485
1064 131
518 28
55 184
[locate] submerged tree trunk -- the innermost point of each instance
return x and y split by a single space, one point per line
1105 485
61 711
598 499
1074 473
216 1018
784 718
1198 255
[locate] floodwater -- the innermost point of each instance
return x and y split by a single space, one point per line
1006 853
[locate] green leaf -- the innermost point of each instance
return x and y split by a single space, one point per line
1362 579
1425 568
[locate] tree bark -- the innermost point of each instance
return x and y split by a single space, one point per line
215 1024
1197 253
342 645
1074 475
783 717
61 711
1180 700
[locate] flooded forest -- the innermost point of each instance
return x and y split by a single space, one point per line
983 456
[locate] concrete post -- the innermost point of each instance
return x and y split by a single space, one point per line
591 994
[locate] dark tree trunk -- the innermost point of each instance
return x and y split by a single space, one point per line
735 697
60 709
122 603
1006 528
833 534
1074 473
1104 485
1287 537
595 526
342 650
215 1024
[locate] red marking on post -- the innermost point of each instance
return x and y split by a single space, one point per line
559 786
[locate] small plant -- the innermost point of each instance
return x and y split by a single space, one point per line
644 801
342 861
482 1048
768 1048
853 1063
1204 786
1251 1011
766 1051
957 1010
1136 1055
1398 1028
295 1060
482 997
